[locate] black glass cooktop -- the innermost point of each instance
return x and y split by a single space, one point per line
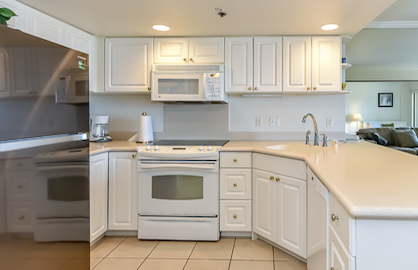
191 142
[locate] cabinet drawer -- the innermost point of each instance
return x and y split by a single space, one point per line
235 216
285 166
339 258
235 159
343 223
20 216
19 185
20 164
235 184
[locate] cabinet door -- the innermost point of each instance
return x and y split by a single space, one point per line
339 258
239 65
46 27
171 50
264 204
19 21
291 214
79 40
21 72
326 64
296 64
268 65
98 195
128 64
206 50
4 73
123 213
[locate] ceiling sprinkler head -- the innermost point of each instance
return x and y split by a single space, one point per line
220 12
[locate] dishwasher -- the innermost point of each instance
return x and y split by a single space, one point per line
318 218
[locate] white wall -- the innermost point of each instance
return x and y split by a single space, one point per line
235 120
364 100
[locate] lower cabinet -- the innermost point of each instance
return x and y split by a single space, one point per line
339 258
279 202
98 195
123 213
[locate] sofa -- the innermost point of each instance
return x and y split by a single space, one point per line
402 138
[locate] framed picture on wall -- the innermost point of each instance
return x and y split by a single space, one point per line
385 99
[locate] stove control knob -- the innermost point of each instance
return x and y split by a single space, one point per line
157 148
210 148
201 148
148 148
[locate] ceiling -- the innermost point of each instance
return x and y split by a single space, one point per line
198 18
401 10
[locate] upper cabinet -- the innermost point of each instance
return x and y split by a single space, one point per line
4 76
189 50
311 64
128 64
253 65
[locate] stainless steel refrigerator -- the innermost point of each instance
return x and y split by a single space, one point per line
44 154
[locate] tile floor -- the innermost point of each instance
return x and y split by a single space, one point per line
228 253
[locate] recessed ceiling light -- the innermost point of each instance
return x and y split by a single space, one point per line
329 26
160 27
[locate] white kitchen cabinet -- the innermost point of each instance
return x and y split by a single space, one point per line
79 40
4 73
21 72
123 213
19 21
98 195
253 65
235 192
311 64
128 65
279 201
44 26
339 258
189 50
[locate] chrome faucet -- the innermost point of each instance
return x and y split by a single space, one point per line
316 138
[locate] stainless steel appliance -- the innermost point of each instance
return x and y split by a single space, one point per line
43 192
178 190
188 83
99 128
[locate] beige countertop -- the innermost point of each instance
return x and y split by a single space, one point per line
371 181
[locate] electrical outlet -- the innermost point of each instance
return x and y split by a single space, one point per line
330 122
259 121
274 121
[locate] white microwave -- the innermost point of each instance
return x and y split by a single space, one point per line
72 88
188 83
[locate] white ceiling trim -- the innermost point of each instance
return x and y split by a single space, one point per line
392 24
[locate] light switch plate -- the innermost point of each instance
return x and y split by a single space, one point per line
330 121
259 121
274 121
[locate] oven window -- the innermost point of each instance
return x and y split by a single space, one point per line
177 187
178 86
68 188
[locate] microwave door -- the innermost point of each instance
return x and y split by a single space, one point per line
178 87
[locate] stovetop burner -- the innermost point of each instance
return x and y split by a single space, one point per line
191 142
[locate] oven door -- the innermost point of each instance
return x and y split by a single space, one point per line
178 87
178 188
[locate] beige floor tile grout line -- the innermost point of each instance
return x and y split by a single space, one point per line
232 253
148 254
190 255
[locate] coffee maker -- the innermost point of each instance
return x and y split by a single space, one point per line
99 131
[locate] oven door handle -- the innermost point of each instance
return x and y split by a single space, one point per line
61 167
178 166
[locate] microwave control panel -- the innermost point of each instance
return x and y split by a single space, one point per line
214 86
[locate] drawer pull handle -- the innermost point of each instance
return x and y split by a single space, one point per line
277 179
21 217
133 156
19 186
334 217
271 177
235 184
235 160
235 216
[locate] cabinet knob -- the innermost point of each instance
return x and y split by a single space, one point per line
332 268
277 179
191 59
314 88
185 59
235 216
271 177
149 88
308 88
133 156
334 217
235 160
235 184
249 88
256 88
21 217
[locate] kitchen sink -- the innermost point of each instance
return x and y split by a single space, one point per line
298 147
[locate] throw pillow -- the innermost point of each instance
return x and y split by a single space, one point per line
378 139
406 138
388 125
